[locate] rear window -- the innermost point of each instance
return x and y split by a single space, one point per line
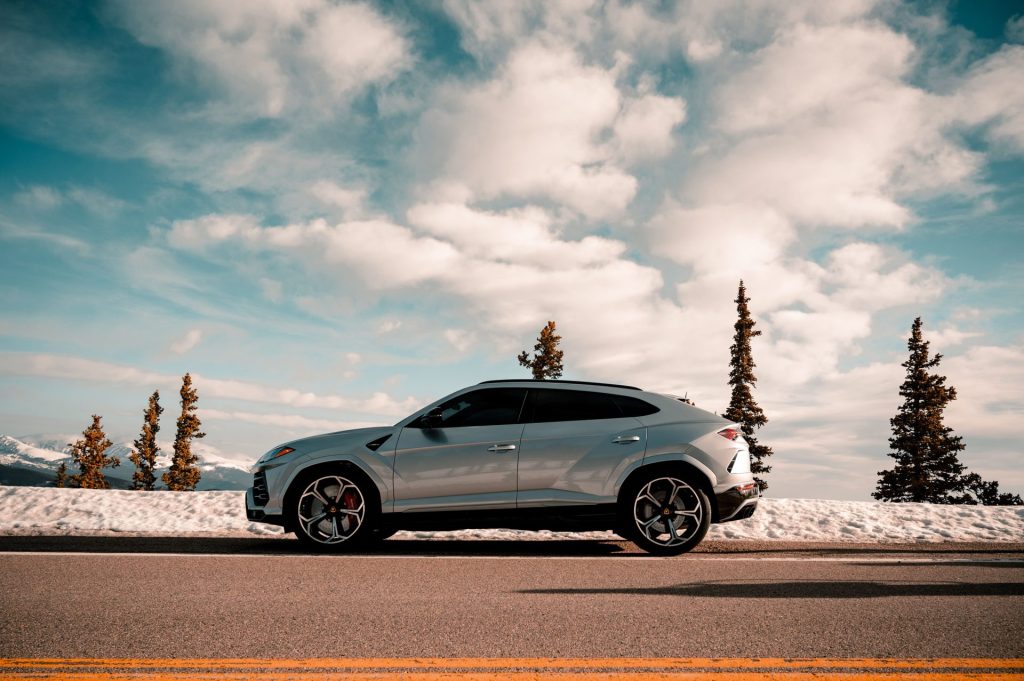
544 406
631 406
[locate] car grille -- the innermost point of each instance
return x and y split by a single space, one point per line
259 489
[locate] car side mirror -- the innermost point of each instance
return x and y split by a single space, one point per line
432 419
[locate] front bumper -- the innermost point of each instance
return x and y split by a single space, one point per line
256 513
736 503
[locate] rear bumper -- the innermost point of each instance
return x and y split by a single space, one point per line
736 504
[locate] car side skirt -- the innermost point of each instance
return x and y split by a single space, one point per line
581 518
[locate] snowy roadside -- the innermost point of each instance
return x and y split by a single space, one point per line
49 511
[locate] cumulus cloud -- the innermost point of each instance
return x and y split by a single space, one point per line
992 95
274 57
533 131
523 235
644 127
822 126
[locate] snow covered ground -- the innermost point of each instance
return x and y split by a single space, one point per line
49 511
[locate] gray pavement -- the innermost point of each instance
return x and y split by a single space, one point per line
156 597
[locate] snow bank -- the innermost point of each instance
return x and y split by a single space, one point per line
35 510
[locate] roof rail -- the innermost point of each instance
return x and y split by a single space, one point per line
559 381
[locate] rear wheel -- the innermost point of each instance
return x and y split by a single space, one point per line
333 511
666 514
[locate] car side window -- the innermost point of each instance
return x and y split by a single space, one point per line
489 407
545 406
631 406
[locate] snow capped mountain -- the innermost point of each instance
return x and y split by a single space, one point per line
33 461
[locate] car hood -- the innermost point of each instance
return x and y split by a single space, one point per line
341 438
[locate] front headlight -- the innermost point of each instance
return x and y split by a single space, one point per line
275 453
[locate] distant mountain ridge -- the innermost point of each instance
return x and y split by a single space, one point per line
33 462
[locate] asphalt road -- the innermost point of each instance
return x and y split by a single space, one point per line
144 598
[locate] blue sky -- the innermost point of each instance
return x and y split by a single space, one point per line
332 213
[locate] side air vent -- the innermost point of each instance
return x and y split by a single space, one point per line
374 445
259 489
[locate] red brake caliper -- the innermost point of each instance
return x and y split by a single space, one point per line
349 501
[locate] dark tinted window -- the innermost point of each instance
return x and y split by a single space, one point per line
631 406
490 407
570 405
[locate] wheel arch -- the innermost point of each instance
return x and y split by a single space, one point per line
692 470
339 466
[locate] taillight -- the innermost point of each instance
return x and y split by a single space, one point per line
729 433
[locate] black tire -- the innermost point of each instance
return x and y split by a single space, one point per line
346 502
380 534
687 512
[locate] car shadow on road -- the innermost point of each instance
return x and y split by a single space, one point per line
289 546
803 589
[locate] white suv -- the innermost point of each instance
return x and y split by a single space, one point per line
524 454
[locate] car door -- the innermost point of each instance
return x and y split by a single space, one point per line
573 447
465 461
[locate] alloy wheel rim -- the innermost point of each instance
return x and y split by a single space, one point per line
331 510
668 512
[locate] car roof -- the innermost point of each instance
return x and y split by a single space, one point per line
559 382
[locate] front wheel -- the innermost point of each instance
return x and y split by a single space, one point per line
666 515
332 511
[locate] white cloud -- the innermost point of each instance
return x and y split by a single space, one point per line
488 28
523 235
187 342
643 129
1015 29
13 231
949 336
821 126
349 200
992 94
295 422
389 326
272 289
39 197
460 339
735 238
276 57
532 132
80 369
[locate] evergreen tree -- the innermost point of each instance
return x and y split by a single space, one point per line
925 449
547 358
90 455
62 475
743 409
184 474
986 492
146 449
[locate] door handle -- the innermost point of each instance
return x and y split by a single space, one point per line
501 448
626 439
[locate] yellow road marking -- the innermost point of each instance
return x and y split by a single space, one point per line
431 663
517 669
524 676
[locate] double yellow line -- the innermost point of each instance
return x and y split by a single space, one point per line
518 669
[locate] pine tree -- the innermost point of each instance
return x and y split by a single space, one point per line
90 455
184 474
62 475
547 358
925 449
146 448
986 492
743 409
